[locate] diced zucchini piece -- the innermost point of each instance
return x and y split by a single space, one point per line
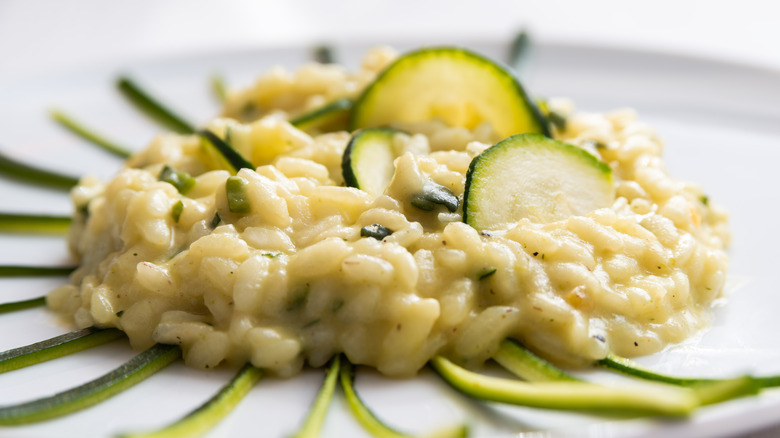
531 176
454 85
181 180
237 197
368 160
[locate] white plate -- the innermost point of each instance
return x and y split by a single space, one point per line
720 123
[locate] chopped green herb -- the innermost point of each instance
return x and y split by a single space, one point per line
215 221
433 195
704 199
120 313
337 305
181 180
376 231
486 273
237 197
22 305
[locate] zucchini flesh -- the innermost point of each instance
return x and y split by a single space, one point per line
313 424
89 135
206 416
35 271
28 223
531 176
29 174
367 163
81 397
651 399
329 118
454 85
55 347
152 107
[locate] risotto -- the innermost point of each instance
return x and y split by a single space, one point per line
302 266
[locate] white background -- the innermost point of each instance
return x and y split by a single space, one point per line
39 35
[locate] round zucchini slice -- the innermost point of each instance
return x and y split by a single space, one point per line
532 176
454 85
367 163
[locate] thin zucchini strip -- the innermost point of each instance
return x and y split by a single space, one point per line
30 174
233 158
89 135
362 413
319 409
527 365
519 52
38 224
35 271
210 413
633 369
22 305
709 391
152 107
55 347
655 399
219 88
323 54
369 420
81 397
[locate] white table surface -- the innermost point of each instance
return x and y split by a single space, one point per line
40 37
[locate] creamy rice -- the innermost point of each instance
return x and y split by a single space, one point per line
293 282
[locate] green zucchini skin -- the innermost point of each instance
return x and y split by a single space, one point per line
235 160
77 128
367 163
22 305
34 224
34 175
81 397
529 366
652 399
36 271
55 347
209 414
331 117
152 107
319 409
437 84
490 201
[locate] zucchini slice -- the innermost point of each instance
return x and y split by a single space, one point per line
368 160
455 85
328 118
531 176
